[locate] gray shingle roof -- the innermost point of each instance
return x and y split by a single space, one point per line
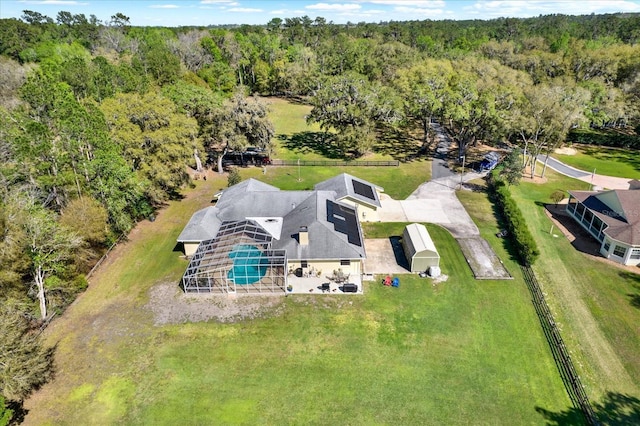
324 241
203 225
623 225
255 199
345 185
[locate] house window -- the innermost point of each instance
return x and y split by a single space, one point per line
607 246
635 254
304 264
345 262
620 251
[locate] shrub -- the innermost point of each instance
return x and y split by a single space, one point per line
234 177
525 245
5 413
612 139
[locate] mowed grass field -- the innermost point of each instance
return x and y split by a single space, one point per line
456 352
616 162
595 303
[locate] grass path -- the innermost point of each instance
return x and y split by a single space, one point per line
592 302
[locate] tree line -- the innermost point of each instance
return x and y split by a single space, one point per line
100 120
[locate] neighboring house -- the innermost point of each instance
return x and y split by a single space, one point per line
613 218
256 236
358 193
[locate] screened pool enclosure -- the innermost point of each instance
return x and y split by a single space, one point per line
240 259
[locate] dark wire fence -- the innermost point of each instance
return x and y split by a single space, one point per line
561 355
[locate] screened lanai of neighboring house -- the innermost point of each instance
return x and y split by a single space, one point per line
239 259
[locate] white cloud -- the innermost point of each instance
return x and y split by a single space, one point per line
418 10
164 6
287 12
435 4
496 8
244 10
334 7
56 2
229 2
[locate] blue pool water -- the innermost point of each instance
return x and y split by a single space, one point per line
249 264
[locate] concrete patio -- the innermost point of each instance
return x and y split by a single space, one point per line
313 285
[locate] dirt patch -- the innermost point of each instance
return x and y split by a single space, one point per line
526 176
170 305
566 151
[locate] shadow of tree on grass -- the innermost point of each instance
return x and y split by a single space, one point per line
634 298
321 143
397 144
616 409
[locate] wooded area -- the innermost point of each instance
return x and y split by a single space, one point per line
99 120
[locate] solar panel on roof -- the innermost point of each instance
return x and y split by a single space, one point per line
363 189
344 221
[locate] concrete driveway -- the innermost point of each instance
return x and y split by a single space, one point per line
385 256
436 202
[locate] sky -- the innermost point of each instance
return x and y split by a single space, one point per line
173 13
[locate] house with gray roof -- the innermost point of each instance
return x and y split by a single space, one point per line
613 218
257 238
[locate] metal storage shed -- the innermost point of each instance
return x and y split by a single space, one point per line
419 249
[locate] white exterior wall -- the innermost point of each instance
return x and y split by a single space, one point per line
626 259
190 248
365 213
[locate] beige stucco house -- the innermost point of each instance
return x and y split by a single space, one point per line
256 237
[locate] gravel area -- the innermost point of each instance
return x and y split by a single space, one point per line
170 305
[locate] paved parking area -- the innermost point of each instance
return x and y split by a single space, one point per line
385 256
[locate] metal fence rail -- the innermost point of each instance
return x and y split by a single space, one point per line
561 355
392 163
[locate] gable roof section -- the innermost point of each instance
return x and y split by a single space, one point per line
325 242
419 239
249 185
619 209
203 225
346 185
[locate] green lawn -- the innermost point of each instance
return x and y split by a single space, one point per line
457 352
616 162
289 121
596 304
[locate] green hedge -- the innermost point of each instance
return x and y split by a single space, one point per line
525 245
613 139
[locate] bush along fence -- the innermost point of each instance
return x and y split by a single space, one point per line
527 251
526 247
391 163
